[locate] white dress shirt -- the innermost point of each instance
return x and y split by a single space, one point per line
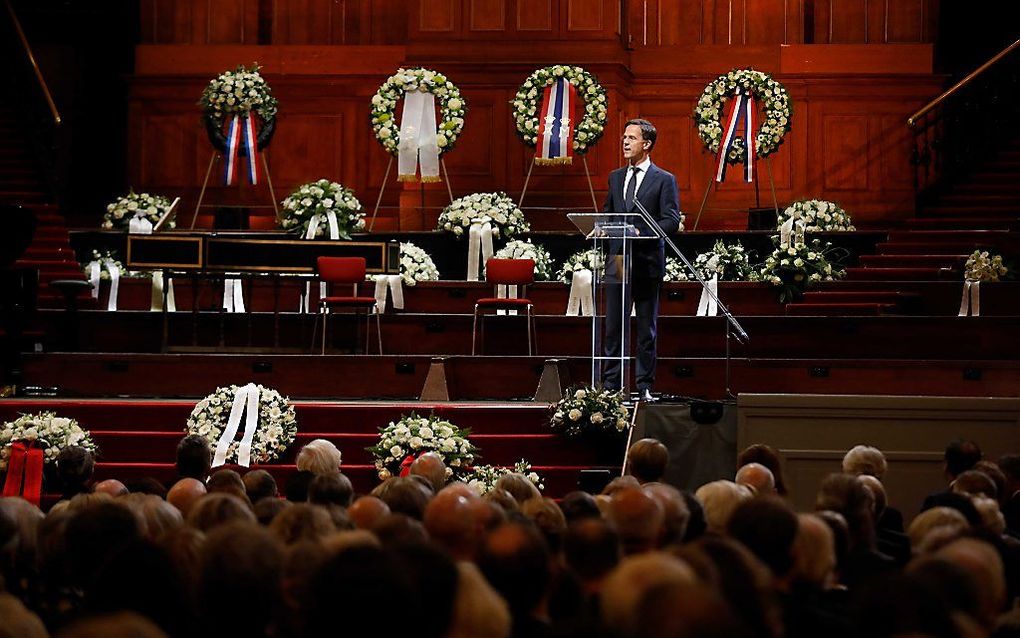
643 170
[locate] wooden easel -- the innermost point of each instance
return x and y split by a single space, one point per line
205 183
587 174
757 198
421 189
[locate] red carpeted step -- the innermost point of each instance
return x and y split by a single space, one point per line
981 237
925 248
858 296
838 309
1006 211
897 274
964 223
912 261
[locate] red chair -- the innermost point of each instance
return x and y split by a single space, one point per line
508 272
346 271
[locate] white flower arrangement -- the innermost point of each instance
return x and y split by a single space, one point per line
772 96
981 266
675 270
525 105
588 410
521 249
416 265
119 214
591 259
482 478
798 266
414 435
495 209
276 430
452 107
312 203
730 262
818 216
104 258
47 431
238 92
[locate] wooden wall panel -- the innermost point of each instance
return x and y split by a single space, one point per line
767 21
438 16
486 15
309 21
905 20
307 147
229 22
167 150
845 139
678 22
536 15
586 15
844 21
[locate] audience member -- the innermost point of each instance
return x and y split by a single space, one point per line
214 510
331 489
633 579
975 483
185 493
767 456
864 459
757 478
319 457
1010 466
296 488
647 460
719 499
367 510
515 560
959 457
259 484
578 505
194 458
519 486
451 525
675 513
431 467
638 518
845 494
269 508
113 487
227 481
892 543
75 465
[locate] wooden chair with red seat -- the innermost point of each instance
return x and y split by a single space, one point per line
350 271
507 272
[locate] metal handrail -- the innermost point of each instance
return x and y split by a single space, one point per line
912 120
35 66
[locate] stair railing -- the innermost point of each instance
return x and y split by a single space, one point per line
962 126
40 80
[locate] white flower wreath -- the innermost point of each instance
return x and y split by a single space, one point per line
588 130
276 430
819 216
482 478
312 203
730 262
588 410
119 214
416 265
981 266
384 103
798 266
495 209
675 270
104 258
521 249
46 430
414 435
773 97
590 259
239 92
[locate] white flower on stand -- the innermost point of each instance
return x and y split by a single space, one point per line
312 202
119 214
590 259
482 478
519 249
495 209
818 216
415 435
589 410
416 265
275 431
47 431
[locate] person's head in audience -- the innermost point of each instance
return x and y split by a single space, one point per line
647 460
296 488
840 536
331 489
215 510
719 499
952 586
75 465
227 481
814 553
878 494
960 456
268 508
1010 466
19 533
431 467
515 560
975 483
591 549
992 519
194 457
845 494
94 534
757 478
399 529
684 610
19 622
548 519
185 493
932 519
627 481
405 495
865 459
366 511
696 525
488 515
675 513
962 503
578 505
301 522
319 457
478 610
113 487
451 525
638 518
146 485
767 456
434 577
768 527
258 484
519 486
984 564
634 578
992 471
156 515
502 499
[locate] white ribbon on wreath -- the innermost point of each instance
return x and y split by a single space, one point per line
313 225
970 304
233 295
139 224
305 303
246 403
479 249
418 138
792 229
156 302
581 300
389 285
708 306
95 277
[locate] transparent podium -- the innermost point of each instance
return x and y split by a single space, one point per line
614 236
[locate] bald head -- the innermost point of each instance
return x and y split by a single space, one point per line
814 551
675 512
113 487
431 467
638 518
367 511
758 478
450 522
185 493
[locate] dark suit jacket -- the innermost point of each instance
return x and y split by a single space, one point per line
659 195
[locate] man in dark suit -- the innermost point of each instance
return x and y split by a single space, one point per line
657 191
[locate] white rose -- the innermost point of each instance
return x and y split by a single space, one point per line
574 415
415 442
580 394
397 451
425 433
596 418
454 104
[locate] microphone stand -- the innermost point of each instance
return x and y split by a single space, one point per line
733 328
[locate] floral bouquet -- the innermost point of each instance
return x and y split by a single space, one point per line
416 265
413 435
590 259
796 267
729 262
675 270
119 214
45 430
105 259
819 216
482 478
495 209
520 249
322 209
982 267
276 430
239 92
586 410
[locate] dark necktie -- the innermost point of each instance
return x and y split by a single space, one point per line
628 197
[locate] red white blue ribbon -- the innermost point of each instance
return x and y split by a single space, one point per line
741 111
241 135
555 126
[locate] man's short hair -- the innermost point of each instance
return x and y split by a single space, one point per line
259 484
75 465
648 130
648 459
768 527
331 489
1010 466
864 459
194 457
961 456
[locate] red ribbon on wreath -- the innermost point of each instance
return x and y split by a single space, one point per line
405 465
24 472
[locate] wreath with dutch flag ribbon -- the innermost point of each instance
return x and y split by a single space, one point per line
546 112
725 115
239 112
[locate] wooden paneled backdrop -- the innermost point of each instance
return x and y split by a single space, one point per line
855 68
